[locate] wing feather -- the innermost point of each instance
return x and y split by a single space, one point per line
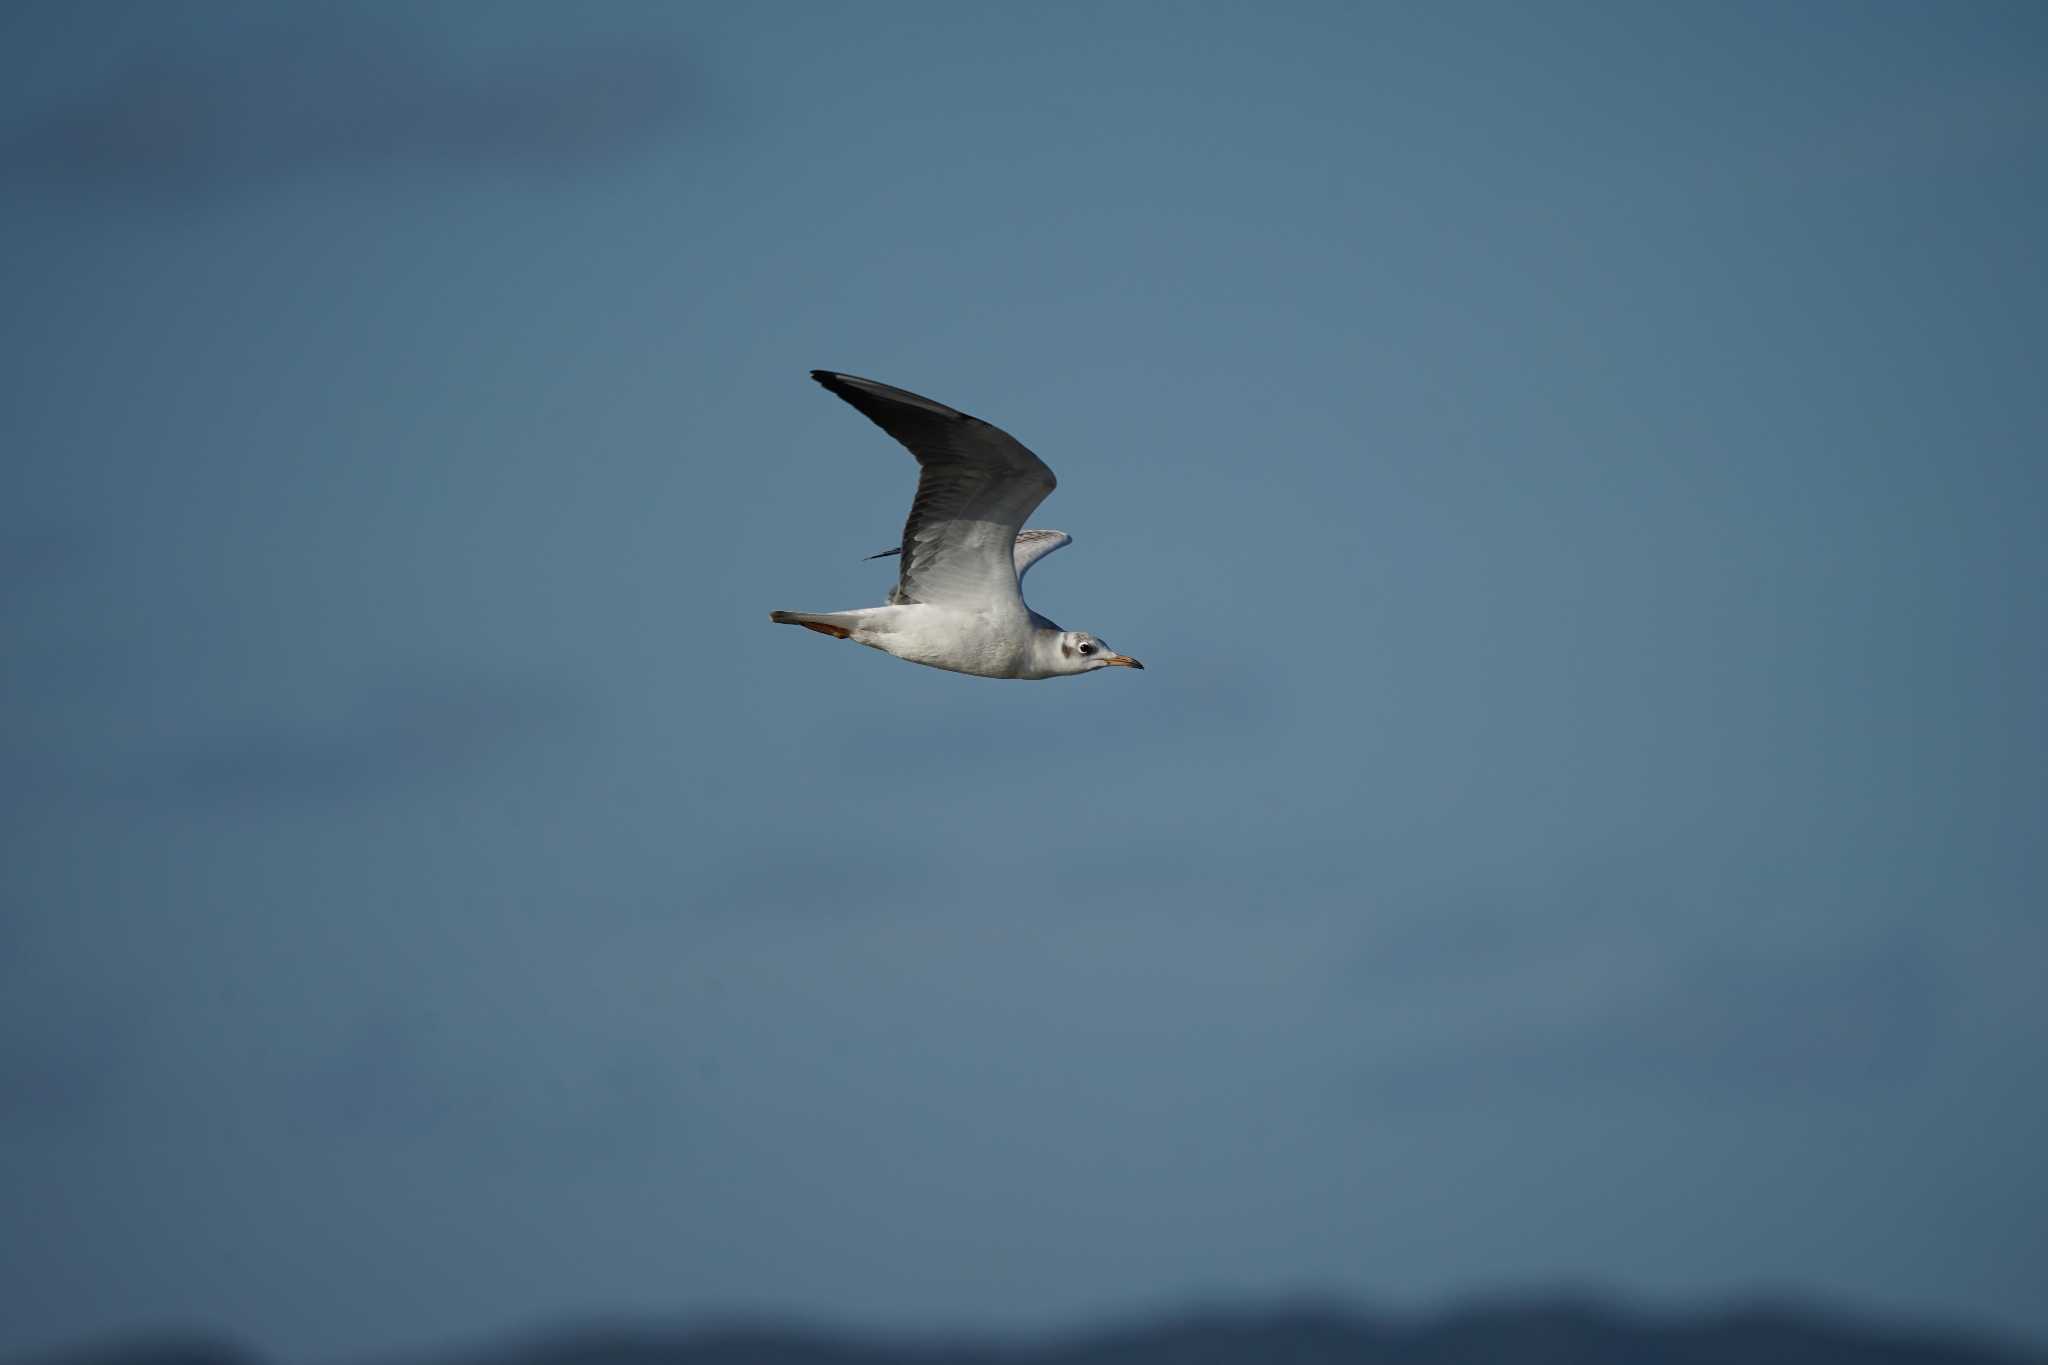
1035 545
1032 545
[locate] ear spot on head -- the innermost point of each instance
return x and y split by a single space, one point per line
1067 647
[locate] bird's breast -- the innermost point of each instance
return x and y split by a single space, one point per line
962 641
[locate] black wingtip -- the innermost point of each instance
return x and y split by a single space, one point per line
845 387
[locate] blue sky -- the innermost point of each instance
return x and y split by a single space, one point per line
1574 474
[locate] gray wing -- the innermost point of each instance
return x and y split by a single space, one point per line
1032 546
974 489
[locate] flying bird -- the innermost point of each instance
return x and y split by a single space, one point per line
958 603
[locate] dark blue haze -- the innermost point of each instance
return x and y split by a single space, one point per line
1574 473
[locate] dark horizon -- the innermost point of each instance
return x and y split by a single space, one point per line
1557 1327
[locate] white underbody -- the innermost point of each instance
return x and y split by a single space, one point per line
988 642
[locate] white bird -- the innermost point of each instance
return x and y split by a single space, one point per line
958 604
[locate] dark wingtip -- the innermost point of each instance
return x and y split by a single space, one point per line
884 554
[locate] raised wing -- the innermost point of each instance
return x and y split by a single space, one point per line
976 486
1032 546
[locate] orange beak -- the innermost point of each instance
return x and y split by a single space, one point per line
1123 661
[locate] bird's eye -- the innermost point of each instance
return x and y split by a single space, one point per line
1087 648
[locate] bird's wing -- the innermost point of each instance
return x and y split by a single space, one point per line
976 486
1032 546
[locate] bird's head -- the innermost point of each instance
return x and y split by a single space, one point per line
1081 652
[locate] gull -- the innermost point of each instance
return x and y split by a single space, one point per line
958 604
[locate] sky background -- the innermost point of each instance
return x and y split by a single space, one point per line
1574 473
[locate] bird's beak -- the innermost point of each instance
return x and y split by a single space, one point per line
1123 661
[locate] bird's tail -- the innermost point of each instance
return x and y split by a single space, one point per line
837 624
